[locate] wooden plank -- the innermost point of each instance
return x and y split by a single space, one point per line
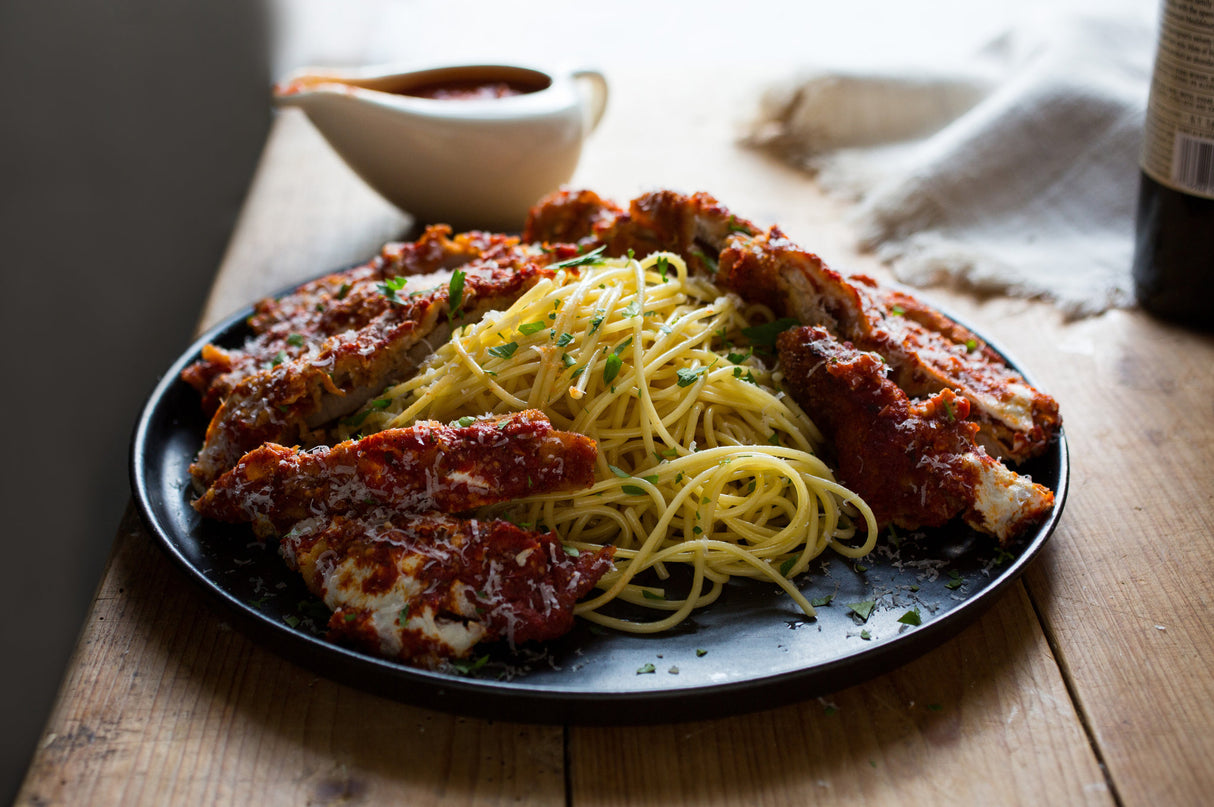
1124 591
983 719
1127 592
1006 731
166 703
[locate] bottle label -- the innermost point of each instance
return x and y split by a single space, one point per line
1178 149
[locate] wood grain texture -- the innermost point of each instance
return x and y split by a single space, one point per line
166 703
1101 656
1128 592
967 724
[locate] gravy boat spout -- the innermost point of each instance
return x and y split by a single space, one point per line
473 146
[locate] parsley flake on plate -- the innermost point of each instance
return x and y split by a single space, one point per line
862 609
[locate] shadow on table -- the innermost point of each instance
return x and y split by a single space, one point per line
131 130
158 631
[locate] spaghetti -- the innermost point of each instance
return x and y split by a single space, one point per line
701 460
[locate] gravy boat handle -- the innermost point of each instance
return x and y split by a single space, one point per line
592 87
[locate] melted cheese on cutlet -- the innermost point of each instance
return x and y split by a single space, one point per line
344 589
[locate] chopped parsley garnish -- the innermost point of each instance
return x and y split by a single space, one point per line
911 617
787 565
645 669
862 609
620 472
820 602
357 418
279 358
455 293
955 580
710 262
314 610
342 291
765 335
894 538
466 666
613 362
593 256
402 616
738 358
466 420
663 266
897 310
291 620
687 376
504 351
528 328
295 340
633 490
564 339
390 287
701 652
571 551
652 595
865 635
595 322
632 309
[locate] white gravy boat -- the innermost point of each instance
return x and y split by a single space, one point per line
478 159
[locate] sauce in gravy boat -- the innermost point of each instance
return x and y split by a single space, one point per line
473 146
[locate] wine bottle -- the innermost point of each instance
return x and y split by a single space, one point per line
1174 244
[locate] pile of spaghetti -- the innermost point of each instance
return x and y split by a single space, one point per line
702 461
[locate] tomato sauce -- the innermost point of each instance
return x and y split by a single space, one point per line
471 90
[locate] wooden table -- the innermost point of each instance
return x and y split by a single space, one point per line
1088 683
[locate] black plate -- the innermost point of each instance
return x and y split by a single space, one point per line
752 649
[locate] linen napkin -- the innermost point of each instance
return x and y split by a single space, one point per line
1014 173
